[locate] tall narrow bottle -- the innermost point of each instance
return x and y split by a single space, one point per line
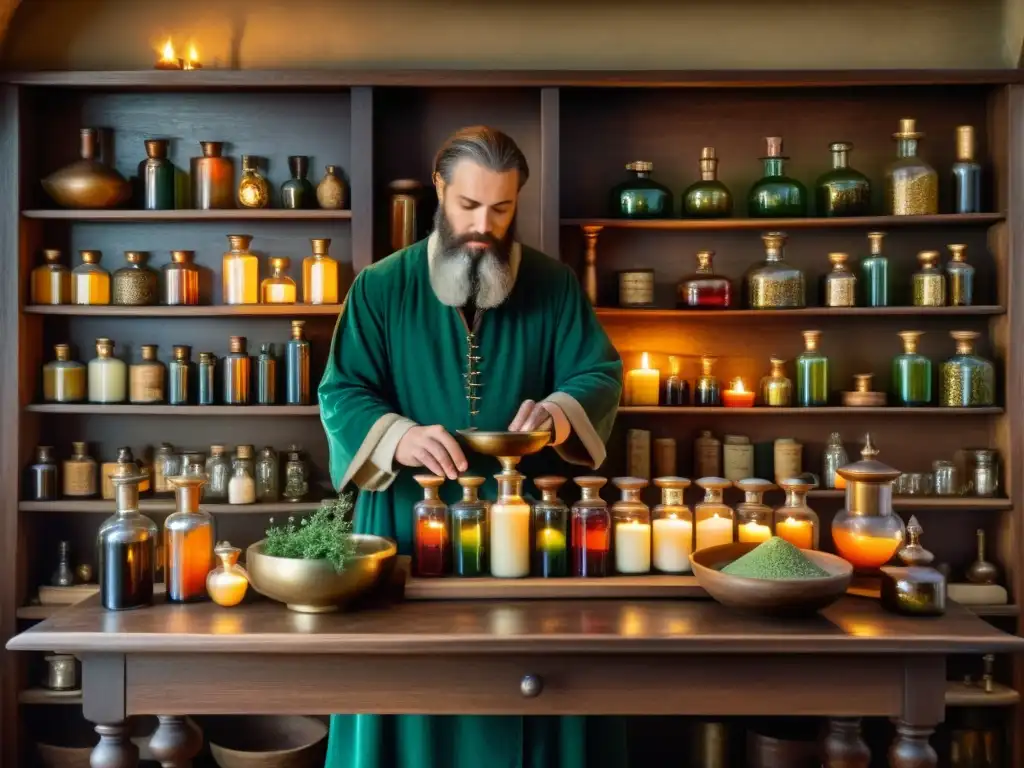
631 522
213 178
966 173
551 530
843 191
469 530
431 553
874 274
237 373
126 549
510 528
912 186
591 526
241 272
708 198
51 281
961 277
776 195
266 376
296 366
707 390
812 373
672 528
90 283
320 274
179 376
188 539
156 177
911 373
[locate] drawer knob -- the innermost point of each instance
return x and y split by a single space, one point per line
531 686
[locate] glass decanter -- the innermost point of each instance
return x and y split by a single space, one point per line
218 473
966 379
911 185
776 195
672 527
929 282
550 530
966 173
703 289
843 191
840 283
631 526
708 198
63 378
677 389
240 272
320 275
753 516
268 477
591 528
641 197
961 277
108 376
796 522
470 540
707 390
832 459
811 373
874 274
298 192
253 187
126 549
188 539
714 519
90 283
228 582
134 285
278 288
773 284
51 280
776 388
431 553
911 373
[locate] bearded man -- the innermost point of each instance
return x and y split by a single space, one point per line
395 392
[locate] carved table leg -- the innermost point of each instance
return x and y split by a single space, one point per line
911 748
175 741
844 748
115 749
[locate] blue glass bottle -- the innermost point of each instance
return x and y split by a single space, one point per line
296 366
874 274
966 173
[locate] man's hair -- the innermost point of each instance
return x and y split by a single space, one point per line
487 147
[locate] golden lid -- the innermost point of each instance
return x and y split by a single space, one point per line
156 148
320 245
928 258
104 347
239 242
136 257
149 351
862 382
773 241
754 485
964 143
51 255
590 482
673 483
212 148
182 351
964 341
868 469
630 483
640 166
773 147
910 340
183 257
62 351
797 485
957 252
708 153
238 344
838 261
243 451
908 129
811 340
546 483
778 366
705 260
91 257
79 448
280 262
707 363
714 483
875 239
297 326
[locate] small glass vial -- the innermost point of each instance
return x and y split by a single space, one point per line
320 275
181 280
127 544
206 379
63 378
961 277
188 539
677 389
266 376
79 473
510 528
966 379
296 475
641 197
240 272
228 582
51 280
776 388
929 282
179 376
631 523
237 373
911 373
278 288
707 390
874 274
591 528
146 378
268 477
253 188
134 285
672 527
166 463
431 554
812 373
773 284
703 289
794 520
708 198
714 519
41 482
550 530
840 283
469 530
753 516
218 473
296 366
108 376
912 186
241 487
90 283
966 173
833 458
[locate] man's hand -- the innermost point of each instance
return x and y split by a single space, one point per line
532 417
433 448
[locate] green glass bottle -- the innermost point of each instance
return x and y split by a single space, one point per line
843 191
874 274
641 197
966 380
776 195
811 373
911 373
708 198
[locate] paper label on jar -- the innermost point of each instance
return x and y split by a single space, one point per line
708 458
739 461
147 385
79 478
788 461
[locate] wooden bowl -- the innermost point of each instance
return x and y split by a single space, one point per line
774 597
266 741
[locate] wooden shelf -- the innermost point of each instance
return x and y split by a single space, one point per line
609 588
175 410
228 214
217 310
974 695
852 222
762 314
46 696
105 506
37 612
691 410
926 502
990 611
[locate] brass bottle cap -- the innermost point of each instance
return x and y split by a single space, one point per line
428 481
149 351
708 164
928 258
708 153
156 148
862 382
754 485
243 451
51 255
591 482
183 257
707 363
774 243
297 326
182 352
957 252
964 341
238 344
104 347
796 484
280 263
673 483
207 358
547 483
910 340
840 146
239 242
44 454
91 257
838 261
868 469
475 481
79 448
875 239
640 166
212 148
630 483
62 351
965 143
89 139
811 340
320 245
250 163
778 366
705 259
136 257
714 483
217 450
908 129
773 147
404 186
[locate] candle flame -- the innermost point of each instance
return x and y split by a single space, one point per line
644 362
737 385
193 54
167 54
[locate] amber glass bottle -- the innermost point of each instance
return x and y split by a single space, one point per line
320 275
188 539
51 281
278 288
90 283
63 378
213 178
253 187
240 272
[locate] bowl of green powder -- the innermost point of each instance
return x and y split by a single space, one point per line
773 577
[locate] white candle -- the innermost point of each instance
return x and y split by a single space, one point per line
633 547
753 532
714 531
673 543
510 540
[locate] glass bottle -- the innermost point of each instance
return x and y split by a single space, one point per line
591 527
874 274
677 389
961 277
510 527
296 366
753 516
840 283
298 192
714 519
704 289
41 483
241 486
708 198
156 177
125 464
330 192
90 283
179 376
776 388
181 280
833 458
241 272
244 457
551 530
404 199
51 281
134 285
213 178
672 527
320 274
228 582
126 550
268 476
469 530
911 373
206 379
631 521
253 187
929 281
843 191
278 288
966 173
707 390
811 373
796 522
641 197
166 463
707 455
912 186
63 576
237 373
108 376
296 475
773 284
218 474
146 378
431 553
776 195
966 380
266 376
63 378
188 539
79 473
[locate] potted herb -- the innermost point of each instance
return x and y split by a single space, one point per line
324 535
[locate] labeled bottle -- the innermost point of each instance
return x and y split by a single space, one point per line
63 378
266 376
796 522
776 195
228 582
431 552
469 530
641 197
911 373
166 463
237 373
125 464
298 192
966 379
41 482
278 288
961 277
631 526
672 527
788 457
753 516
242 486
188 539
181 280
843 191
296 366
108 376
966 173
90 283
677 389
268 476
773 284
126 545
134 285
874 274
929 281
253 187
320 274
179 376
218 474
912 186
330 192
206 379
241 272
811 373
51 280
213 178
296 475
156 177
551 530
708 198
776 388
707 455
737 457
146 378
79 473
840 283
704 289
714 519
833 458
591 527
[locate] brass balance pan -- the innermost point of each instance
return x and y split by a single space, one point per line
504 443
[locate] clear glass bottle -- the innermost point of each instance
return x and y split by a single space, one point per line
296 475
188 539
707 390
672 527
218 474
240 271
320 274
79 473
911 373
631 525
134 285
237 373
676 389
245 455
268 476
929 282
228 582
179 376
833 458
874 274
840 283
296 366
510 543
776 195
966 173
773 284
912 186
469 530
213 178
266 376
156 177
63 576
843 191
181 280
708 198
298 191
166 463
550 530
796 522
703 289
431 552
108 376
641 197
753 516
966 379
811 373
63 378
41 483
126 550
961 277
776 388
146 378
590 525
206 379
90 283
241 486
714 519
51 280
253 187
278 288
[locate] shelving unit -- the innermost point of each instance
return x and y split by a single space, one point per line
851 222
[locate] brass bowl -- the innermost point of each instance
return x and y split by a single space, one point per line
313 586
504 443
774 597
267 741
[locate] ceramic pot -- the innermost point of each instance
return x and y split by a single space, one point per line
330 193
88 183
266 741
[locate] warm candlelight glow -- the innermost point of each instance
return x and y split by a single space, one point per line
192 61
737 385
799 533
643 384
737 395
168 51
168 58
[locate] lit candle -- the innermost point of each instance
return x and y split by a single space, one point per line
799 533
673 543
633 547
510 540
167 58
192 62
713 531
643 384
866 552
737 396
431 548
754 533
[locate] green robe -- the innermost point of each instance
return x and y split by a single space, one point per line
398 350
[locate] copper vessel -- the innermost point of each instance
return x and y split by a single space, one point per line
213 178
89 182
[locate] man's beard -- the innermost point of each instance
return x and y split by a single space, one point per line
462 275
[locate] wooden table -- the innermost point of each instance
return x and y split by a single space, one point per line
689 657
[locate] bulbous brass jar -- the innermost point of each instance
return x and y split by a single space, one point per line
88 183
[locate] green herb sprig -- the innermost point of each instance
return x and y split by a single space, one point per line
324 535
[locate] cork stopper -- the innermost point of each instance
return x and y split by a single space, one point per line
51 256
297 326
156 149
183 257
182 352
707 364
239 242
811 340
778 366
62 352
91 257
773 147
212 148
89 142
910 341
104 347
964 341
965 143
708 164
838 261
238 344
958 252
250 163
862 382
429 482
705 260
280 263
149 352
640 166
243 452
774 242
928 259
908 129
320 245
136 257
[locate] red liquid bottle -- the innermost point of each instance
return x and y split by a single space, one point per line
591 530
704 289
431 554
